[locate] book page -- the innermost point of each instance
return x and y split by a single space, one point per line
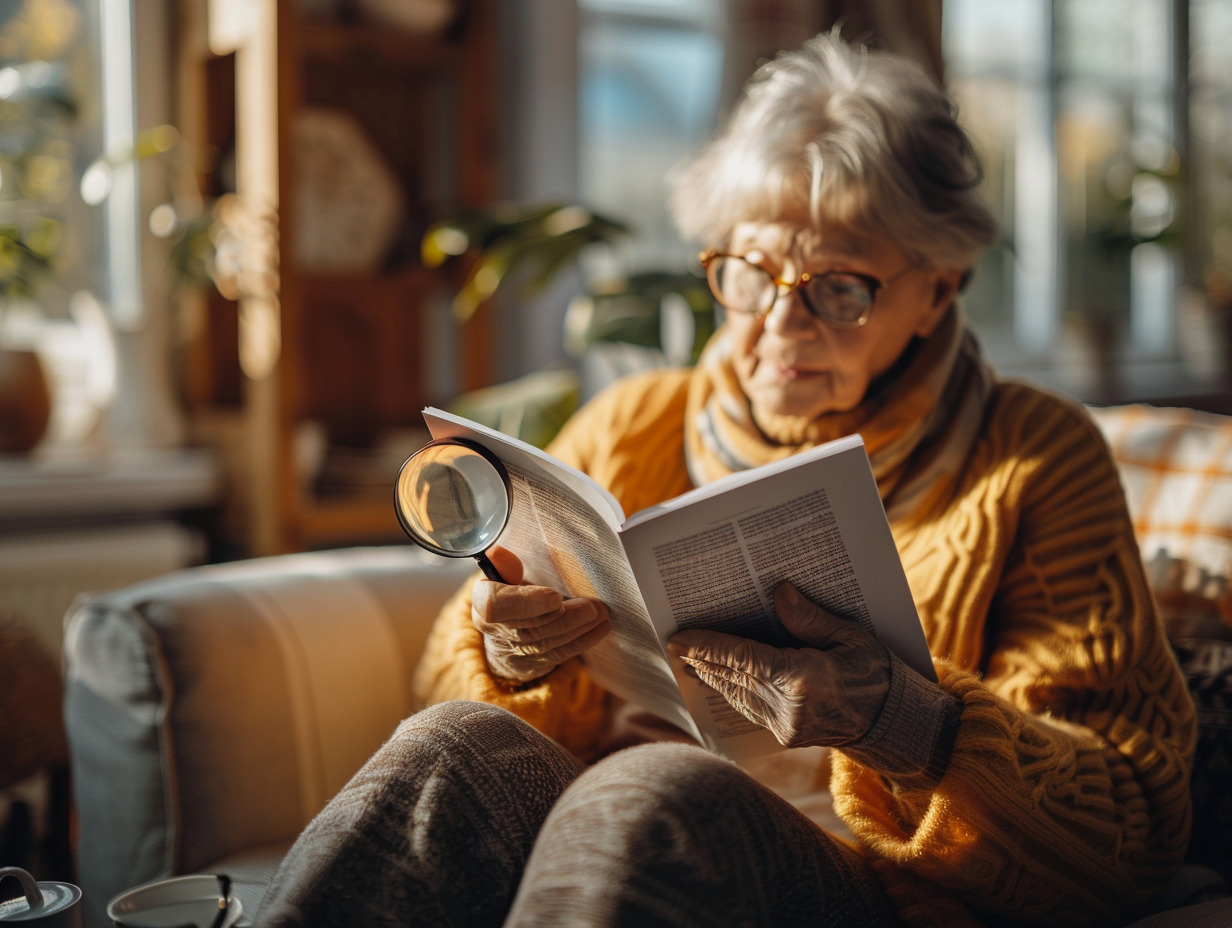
563 527
712 559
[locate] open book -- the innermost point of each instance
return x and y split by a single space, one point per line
710 558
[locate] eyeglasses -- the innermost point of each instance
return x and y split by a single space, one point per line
842 299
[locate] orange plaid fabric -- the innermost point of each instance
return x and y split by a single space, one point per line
1176 467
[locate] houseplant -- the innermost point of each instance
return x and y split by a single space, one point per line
37 110
615 323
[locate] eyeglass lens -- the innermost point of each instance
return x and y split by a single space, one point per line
743 287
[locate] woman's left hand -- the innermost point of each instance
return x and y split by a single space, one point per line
828 692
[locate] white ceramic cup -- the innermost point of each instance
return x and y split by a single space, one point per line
180 900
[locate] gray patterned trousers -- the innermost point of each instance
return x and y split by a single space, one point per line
469 817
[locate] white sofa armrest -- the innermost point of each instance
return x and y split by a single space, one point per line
218 708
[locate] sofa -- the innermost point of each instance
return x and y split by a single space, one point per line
212 712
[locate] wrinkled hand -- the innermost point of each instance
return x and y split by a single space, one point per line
528 631
827 692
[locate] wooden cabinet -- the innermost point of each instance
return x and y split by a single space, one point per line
311 371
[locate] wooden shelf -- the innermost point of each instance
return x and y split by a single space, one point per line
351 352
412 279
329 521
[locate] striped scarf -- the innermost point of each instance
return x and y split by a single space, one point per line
918 421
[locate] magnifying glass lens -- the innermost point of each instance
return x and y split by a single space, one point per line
453 498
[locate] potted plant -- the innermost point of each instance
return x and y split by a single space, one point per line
615 324
36 112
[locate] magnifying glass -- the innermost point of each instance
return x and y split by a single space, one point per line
452 497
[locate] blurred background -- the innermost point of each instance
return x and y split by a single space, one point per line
244 242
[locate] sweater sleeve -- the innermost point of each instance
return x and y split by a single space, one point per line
1065 796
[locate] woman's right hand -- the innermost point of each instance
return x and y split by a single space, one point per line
528 631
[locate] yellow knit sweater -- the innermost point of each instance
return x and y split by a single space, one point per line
1065 799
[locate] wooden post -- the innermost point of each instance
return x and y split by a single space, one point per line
249 28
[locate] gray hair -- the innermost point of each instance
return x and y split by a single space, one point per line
848 134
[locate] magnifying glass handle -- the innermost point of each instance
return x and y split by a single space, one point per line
488 568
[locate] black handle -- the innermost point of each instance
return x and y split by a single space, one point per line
488 568
34 895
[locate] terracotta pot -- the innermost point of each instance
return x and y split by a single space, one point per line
25 400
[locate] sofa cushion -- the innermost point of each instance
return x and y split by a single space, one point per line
1216 913
251 871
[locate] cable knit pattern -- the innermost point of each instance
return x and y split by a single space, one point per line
1064 800
1066 795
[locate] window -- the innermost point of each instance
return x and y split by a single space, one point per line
71 110
1104 126
49 129
650 77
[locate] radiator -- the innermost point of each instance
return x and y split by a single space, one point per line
41 573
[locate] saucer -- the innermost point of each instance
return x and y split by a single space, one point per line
180 900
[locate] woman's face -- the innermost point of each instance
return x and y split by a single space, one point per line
790 363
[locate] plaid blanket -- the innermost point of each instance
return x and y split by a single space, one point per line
1176 466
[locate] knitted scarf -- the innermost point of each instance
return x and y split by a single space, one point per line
918 420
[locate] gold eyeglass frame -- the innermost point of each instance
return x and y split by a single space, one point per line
785 287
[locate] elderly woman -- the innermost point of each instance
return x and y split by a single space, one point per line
1042 780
